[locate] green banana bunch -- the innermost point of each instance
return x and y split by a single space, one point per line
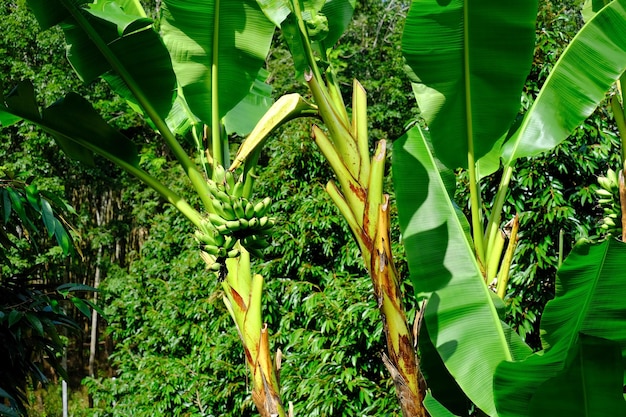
235 218
608 194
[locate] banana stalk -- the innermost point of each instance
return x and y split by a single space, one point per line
361 201
402 361
242 296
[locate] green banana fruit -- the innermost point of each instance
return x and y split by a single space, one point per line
239 210
249 210
237 190
230 180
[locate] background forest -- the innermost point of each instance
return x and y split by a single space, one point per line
165 345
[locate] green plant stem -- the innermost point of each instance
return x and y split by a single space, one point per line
505 266
216 128
340 135
306 41
359 128
196 178
496 212
173 198
477 217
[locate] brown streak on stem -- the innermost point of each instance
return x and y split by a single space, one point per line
240 302
402 360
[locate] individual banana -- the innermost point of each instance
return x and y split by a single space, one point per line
262 207
229 178
216 219
266 223
603 192
233 225
204 238
211 249
249 210
229 241
219 174
608 221
239 209
243 224
237 190
225 210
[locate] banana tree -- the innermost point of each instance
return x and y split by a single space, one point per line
195 77
469 105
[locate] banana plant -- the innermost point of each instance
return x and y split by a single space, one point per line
311 28
196 77
469 104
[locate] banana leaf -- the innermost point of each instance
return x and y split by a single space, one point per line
593 61
588 300
73 123
222 41
468 62
590 385
114 39
462 320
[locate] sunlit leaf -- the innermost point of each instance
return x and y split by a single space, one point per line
443 268
469 62
592 62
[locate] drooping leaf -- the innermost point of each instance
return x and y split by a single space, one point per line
119 44
443 268
591 384
47 215
469 62
14 317
75 125
592 62
32 196
232 37
585 302
35 322
339 14
81 305
61 236
65 289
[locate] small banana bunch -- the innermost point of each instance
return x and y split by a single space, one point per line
609 201
234 219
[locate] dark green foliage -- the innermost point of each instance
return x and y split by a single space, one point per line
31 304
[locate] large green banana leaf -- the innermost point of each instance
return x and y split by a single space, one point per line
460 315
593 61
215 40
469 61
73 123
591 384
114 39
590 290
